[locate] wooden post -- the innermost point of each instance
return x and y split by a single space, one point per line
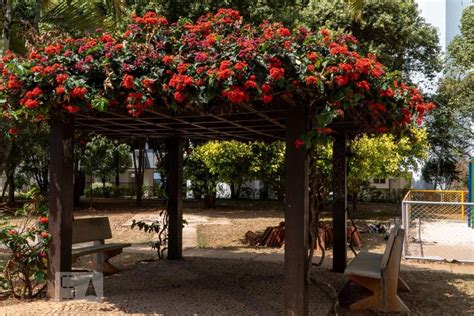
175 198
296 216
61 190
339 221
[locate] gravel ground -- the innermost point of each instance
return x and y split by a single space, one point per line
193 286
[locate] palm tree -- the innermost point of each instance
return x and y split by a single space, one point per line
21 17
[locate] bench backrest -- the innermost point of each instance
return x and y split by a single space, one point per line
395 241
90 229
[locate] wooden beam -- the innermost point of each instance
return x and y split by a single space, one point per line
175 198
296 215
339 215
60 199
244 127
262 115
204 129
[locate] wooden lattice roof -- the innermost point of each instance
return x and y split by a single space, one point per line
244 124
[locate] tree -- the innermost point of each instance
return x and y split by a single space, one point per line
230 161
23 19
268 162
98 158
203 182
450 126
35 156
122 161
393 29
385 156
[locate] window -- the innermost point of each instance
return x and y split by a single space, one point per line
379 181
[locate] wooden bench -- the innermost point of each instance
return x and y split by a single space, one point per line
96 230
380 274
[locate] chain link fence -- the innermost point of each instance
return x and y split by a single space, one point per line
436 225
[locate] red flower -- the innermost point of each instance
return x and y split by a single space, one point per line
362 65
345 67
148 83
37 68
168 59
31 103
53 49
78 92
182 67
162 20
312 56
325 32
42 254
60 90
43 220
382 129
251 84
341 80
267 98
34 55
335 49
12 131
201 57
44 235
180 82
265 88
283 31
13 83
179 97
277 73
240 66
128 81
72 108
236 94
387 93
363 85
377 72
224 74
298 143
12 232
311 80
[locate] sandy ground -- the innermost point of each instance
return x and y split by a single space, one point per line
222 275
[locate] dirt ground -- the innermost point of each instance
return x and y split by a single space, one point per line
433 292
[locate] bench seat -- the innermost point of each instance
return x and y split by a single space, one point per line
95 230
83 251
366 264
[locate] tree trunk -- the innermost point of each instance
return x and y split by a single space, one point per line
232 191
79 184
11 186
6 146
37 15
210 201
7 24
5 187
354 202
139 170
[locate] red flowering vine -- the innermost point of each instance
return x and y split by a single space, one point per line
217 59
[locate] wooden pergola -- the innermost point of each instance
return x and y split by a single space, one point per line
244 123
